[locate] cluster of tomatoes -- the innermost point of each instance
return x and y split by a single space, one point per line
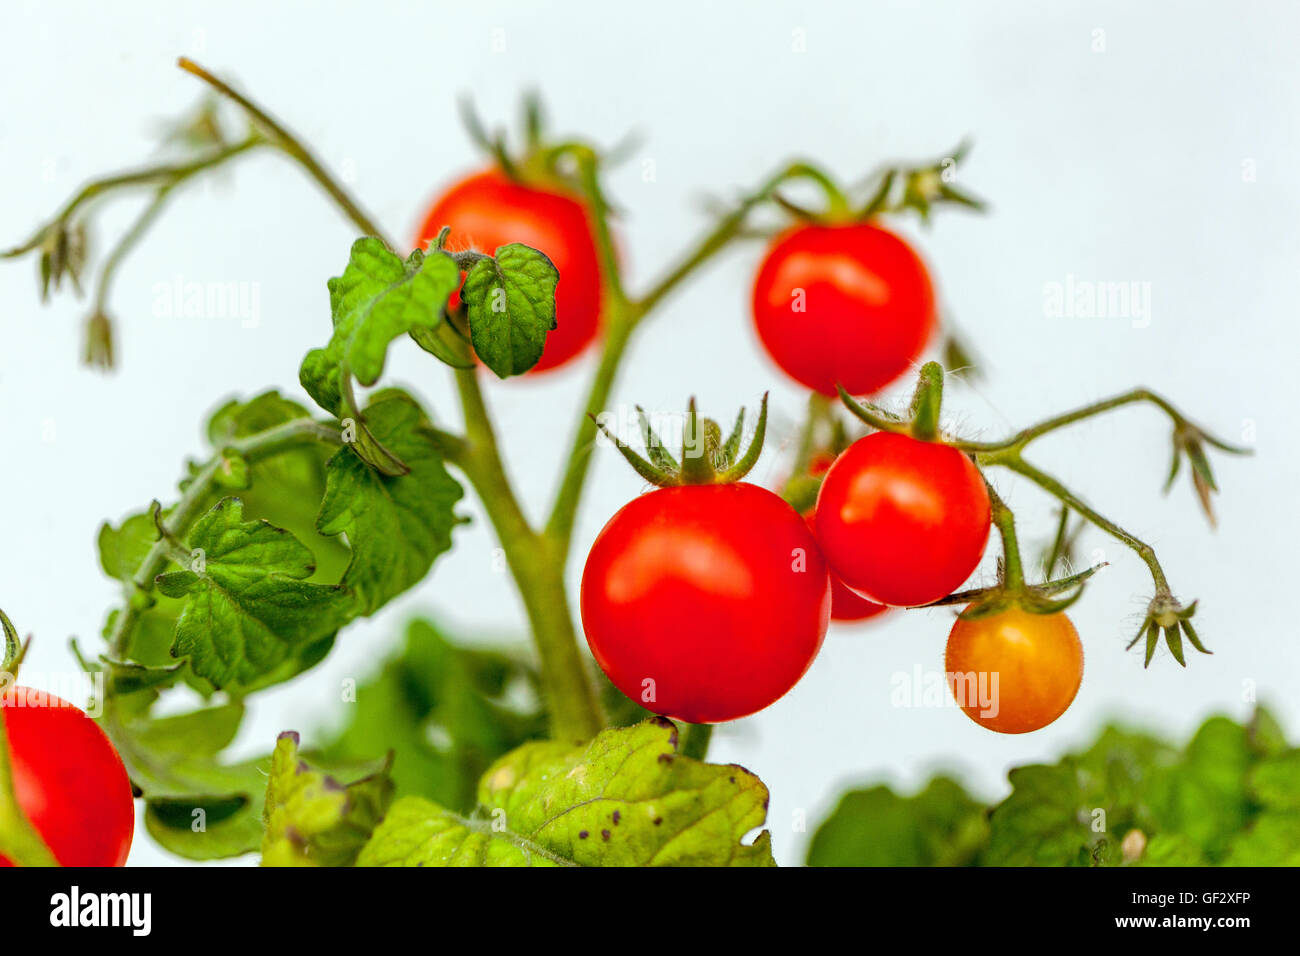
708 602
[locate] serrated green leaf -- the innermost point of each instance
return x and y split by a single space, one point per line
378 298
1039 824
940 826
197 804
396 526
313 820
625 799
1074 812
249 609
510 303
445 712
418 832
284 489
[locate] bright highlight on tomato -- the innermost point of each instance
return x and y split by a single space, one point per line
488 210
68 779
1013 671
902 522
849 304
705 602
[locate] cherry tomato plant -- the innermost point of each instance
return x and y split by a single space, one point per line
702 601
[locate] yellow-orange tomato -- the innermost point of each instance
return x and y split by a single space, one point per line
1013 671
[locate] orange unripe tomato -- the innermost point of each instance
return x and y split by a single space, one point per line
1014 672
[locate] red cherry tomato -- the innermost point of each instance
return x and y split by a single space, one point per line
706 602
848 304
68 779
1013 671
902 522
488 210
845 605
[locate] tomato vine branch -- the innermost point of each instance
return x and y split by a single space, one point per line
292 146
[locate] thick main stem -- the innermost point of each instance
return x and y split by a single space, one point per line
538 568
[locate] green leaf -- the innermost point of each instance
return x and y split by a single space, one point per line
1204 797
122 549
1039 824
378 298
1075 812
285 489
195 805
1273 840
510 302
313 820
625 799
940 826
1171 850
446 713
417 832
396 525
205 826
249 608
1275 781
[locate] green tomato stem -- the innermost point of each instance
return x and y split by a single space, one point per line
1012 460
1058 543
695 740
538 572
538 569
292 146
164 175
1020 439
1013 574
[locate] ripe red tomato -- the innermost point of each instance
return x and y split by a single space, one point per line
488 210
902 522
846 605
849 304
1013 671
705 602
68 779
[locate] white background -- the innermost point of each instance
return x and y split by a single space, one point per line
1124 164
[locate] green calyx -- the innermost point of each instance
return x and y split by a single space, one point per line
706 458
565 165
922 422
891 190
14 648
1165 615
